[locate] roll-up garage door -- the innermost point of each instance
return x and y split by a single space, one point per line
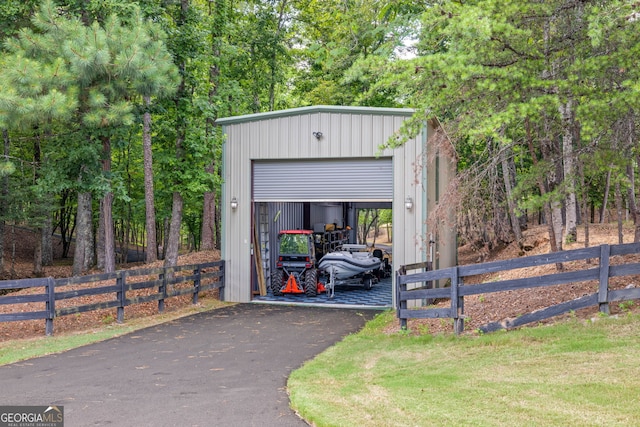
365 180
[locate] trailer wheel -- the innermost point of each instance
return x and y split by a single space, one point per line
311 283
367 282
278 282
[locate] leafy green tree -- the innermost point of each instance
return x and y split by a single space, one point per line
219 14
184 45
15 14
33 96
343 49
502 76
102 65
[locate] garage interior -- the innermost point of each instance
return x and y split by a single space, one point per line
323 196
333 224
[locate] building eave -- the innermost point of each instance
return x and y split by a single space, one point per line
408 112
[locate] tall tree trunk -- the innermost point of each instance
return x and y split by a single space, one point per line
107 233
551 152
37 253
149 198
585 208
605 199
553 213
173 242
543 190
556 212
66 221
165 236
84 252
126 234
106 245
173 238
633 204
4 193
507 177
46 246
209 218
555 207
13 250
47 241
566 111
100 242
618 197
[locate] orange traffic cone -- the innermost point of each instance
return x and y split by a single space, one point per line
292 286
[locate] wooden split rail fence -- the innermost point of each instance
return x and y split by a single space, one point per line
455 291
162 281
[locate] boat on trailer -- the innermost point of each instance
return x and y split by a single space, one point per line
350 265
349 261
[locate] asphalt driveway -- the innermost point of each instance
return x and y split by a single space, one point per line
225 367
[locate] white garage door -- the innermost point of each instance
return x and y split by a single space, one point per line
363 180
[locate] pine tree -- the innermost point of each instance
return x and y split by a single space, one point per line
95 70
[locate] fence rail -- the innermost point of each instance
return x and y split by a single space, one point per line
456 292
202 277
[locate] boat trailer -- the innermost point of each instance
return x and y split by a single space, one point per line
366 279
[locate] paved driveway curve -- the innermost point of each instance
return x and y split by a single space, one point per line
225 367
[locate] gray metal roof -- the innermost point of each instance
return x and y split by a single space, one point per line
316 109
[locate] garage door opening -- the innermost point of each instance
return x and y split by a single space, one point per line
347 234
334 200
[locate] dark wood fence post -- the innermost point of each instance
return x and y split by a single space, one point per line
196 285
429 283
120 282
401 304
162 291
158 281
50 306
458 321
602 297
460 282
603 290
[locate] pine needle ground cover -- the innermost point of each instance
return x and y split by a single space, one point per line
573 373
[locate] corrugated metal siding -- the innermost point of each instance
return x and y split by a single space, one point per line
322 180
291 137
348 134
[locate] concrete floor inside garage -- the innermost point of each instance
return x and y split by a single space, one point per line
380 296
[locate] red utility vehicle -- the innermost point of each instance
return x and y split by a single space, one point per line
296 270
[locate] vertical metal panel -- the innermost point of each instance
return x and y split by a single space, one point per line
441 171
343 136
326 213
236 244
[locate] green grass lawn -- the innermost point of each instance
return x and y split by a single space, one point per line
572 373
569 374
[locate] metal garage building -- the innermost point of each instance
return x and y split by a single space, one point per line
295 168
